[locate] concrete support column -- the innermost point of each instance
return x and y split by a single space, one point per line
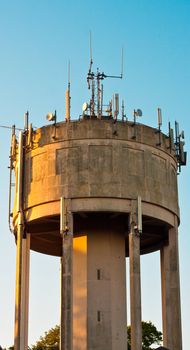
22 262
22 290
135 288
17 333
25 291
66 328
171 309
80 293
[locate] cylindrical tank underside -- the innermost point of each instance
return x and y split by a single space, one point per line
102 167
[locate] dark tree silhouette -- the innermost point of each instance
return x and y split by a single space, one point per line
150 336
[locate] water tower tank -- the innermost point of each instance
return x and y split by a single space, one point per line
102 172
100 169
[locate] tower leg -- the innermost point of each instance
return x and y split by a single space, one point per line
135 290
22 290
25 291
66 328
171 310
80 293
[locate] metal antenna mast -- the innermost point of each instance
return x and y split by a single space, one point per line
91 61
93 78
68 97
122 63
90 77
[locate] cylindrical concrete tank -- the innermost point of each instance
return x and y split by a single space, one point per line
101 171
101 167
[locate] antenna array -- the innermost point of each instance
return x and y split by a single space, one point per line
179 147
94 80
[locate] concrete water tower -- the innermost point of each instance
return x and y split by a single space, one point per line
94 191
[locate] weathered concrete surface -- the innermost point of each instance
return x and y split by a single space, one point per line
103 172
66 231
86 161
80 316
25 291
99 290
135 283
22 290
22 261
171 309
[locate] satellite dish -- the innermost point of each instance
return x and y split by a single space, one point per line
50 117
139 112
85 106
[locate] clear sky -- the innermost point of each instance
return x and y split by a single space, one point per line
37 38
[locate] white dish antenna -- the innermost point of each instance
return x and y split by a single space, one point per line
85 106
51 117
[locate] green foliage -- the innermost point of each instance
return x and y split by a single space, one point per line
150 336
50 340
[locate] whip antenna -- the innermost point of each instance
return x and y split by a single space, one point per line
68 97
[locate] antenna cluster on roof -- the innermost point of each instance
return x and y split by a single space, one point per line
95 106
179 147
96 109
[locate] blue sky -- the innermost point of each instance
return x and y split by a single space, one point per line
37 38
